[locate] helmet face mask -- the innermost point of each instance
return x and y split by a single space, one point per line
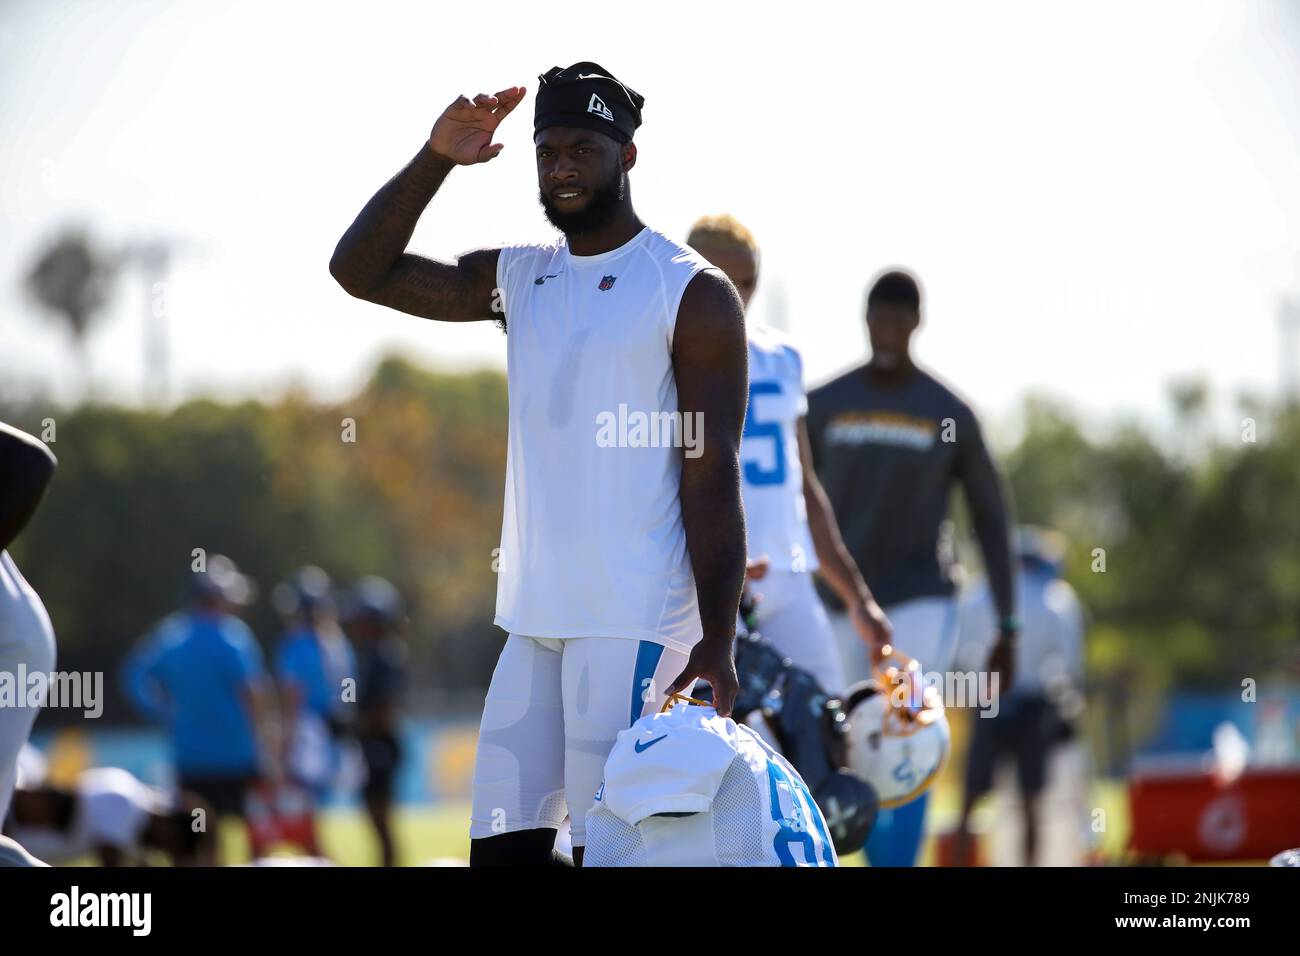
808 728
898 738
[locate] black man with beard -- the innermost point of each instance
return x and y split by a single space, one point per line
623 537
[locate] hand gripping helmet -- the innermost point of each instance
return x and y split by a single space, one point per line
898 733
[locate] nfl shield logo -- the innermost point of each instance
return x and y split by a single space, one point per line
607 283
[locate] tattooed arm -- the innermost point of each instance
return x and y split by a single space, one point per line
371 261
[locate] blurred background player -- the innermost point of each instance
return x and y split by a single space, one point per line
26 635
111 815
200 673
312 661
621 561
1039 713
374 617
889 441
790 524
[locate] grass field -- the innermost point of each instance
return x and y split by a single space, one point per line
429 833
421 833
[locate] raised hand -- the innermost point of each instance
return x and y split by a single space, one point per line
463 133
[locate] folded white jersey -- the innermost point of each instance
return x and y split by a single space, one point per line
690 788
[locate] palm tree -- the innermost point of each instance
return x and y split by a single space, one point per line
71 279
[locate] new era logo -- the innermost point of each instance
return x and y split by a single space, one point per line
597 106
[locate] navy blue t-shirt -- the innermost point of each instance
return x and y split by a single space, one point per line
888 458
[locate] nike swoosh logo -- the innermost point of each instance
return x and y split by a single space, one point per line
639 747
541 279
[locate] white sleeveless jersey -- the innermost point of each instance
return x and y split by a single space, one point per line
776 516
592 540
690 788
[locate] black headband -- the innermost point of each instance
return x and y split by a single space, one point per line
587 96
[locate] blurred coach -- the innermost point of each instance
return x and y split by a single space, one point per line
200 672
889 443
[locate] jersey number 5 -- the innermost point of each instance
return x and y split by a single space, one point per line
755 474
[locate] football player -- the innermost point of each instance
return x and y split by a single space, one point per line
790 524
1038 715
111 815
374 619
312 661
623 538
26 636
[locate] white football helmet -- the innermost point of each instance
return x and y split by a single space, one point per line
898 738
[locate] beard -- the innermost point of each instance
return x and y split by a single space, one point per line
599 212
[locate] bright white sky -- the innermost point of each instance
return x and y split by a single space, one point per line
1098 197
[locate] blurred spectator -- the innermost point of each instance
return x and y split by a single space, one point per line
200 672
312 661
111 814
1041 709
374 617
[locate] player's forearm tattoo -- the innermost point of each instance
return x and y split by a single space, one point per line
374 243
371 261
